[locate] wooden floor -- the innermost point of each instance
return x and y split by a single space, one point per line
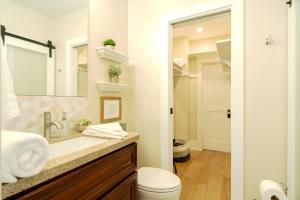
206 176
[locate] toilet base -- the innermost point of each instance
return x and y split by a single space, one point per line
145 195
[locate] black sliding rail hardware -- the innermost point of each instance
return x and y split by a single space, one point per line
289 3
49 43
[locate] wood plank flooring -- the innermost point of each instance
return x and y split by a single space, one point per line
206 176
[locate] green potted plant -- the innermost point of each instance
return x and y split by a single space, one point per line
114 73
83 123
109 43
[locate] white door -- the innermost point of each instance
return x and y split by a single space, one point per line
26 57
216 103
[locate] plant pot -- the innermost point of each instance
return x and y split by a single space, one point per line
110 47
81 128
114 79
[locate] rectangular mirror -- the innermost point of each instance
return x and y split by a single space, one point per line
47 46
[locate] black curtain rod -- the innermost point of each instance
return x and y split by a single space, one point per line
49 43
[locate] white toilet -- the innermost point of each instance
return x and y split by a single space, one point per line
158 184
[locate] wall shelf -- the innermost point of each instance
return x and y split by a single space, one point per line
199 53
112 87
224 51
111 55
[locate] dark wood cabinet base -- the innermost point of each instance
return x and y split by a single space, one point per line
110 177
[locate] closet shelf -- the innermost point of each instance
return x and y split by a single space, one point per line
112 87
224 51
111 55
177 69
202 53
186 74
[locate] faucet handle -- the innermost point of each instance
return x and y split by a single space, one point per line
64 116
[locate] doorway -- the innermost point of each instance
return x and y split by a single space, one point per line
201 55
237 85
76 66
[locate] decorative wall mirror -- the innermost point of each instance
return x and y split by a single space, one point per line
46 45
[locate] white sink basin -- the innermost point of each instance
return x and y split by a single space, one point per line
72 145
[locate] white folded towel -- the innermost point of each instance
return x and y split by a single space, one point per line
109 130
22 155
179 62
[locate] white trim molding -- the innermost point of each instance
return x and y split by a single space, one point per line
237 77
70 45
293 108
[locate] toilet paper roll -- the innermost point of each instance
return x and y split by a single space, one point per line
270 190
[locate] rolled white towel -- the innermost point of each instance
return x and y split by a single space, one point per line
22 155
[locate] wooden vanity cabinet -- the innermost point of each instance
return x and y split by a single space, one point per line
111 177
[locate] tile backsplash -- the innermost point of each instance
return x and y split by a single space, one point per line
32 110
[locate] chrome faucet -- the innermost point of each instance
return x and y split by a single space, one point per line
48 124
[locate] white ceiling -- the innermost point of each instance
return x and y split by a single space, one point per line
212 27
54 8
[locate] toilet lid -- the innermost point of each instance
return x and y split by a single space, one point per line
155 179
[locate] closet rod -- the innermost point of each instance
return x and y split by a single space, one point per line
49 43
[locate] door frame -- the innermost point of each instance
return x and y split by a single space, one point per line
291 99
71 87
237 85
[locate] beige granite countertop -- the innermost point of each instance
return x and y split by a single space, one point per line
67 162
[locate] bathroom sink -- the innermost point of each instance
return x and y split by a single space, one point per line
72 145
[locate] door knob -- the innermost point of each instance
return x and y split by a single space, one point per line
228 113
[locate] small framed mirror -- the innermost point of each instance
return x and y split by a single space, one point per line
110 109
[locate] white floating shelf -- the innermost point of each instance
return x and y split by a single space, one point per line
111 55
112 87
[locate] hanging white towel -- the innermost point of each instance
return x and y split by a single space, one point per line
9 104
22 155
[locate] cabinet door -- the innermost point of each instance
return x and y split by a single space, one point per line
126 190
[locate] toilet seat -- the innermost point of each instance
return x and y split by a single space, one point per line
158 191
157 180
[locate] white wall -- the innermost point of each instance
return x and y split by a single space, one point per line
108 19
207 44
265 94
20 20
68 27
182 107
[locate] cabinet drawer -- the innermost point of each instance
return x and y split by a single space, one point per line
126 190
90 181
